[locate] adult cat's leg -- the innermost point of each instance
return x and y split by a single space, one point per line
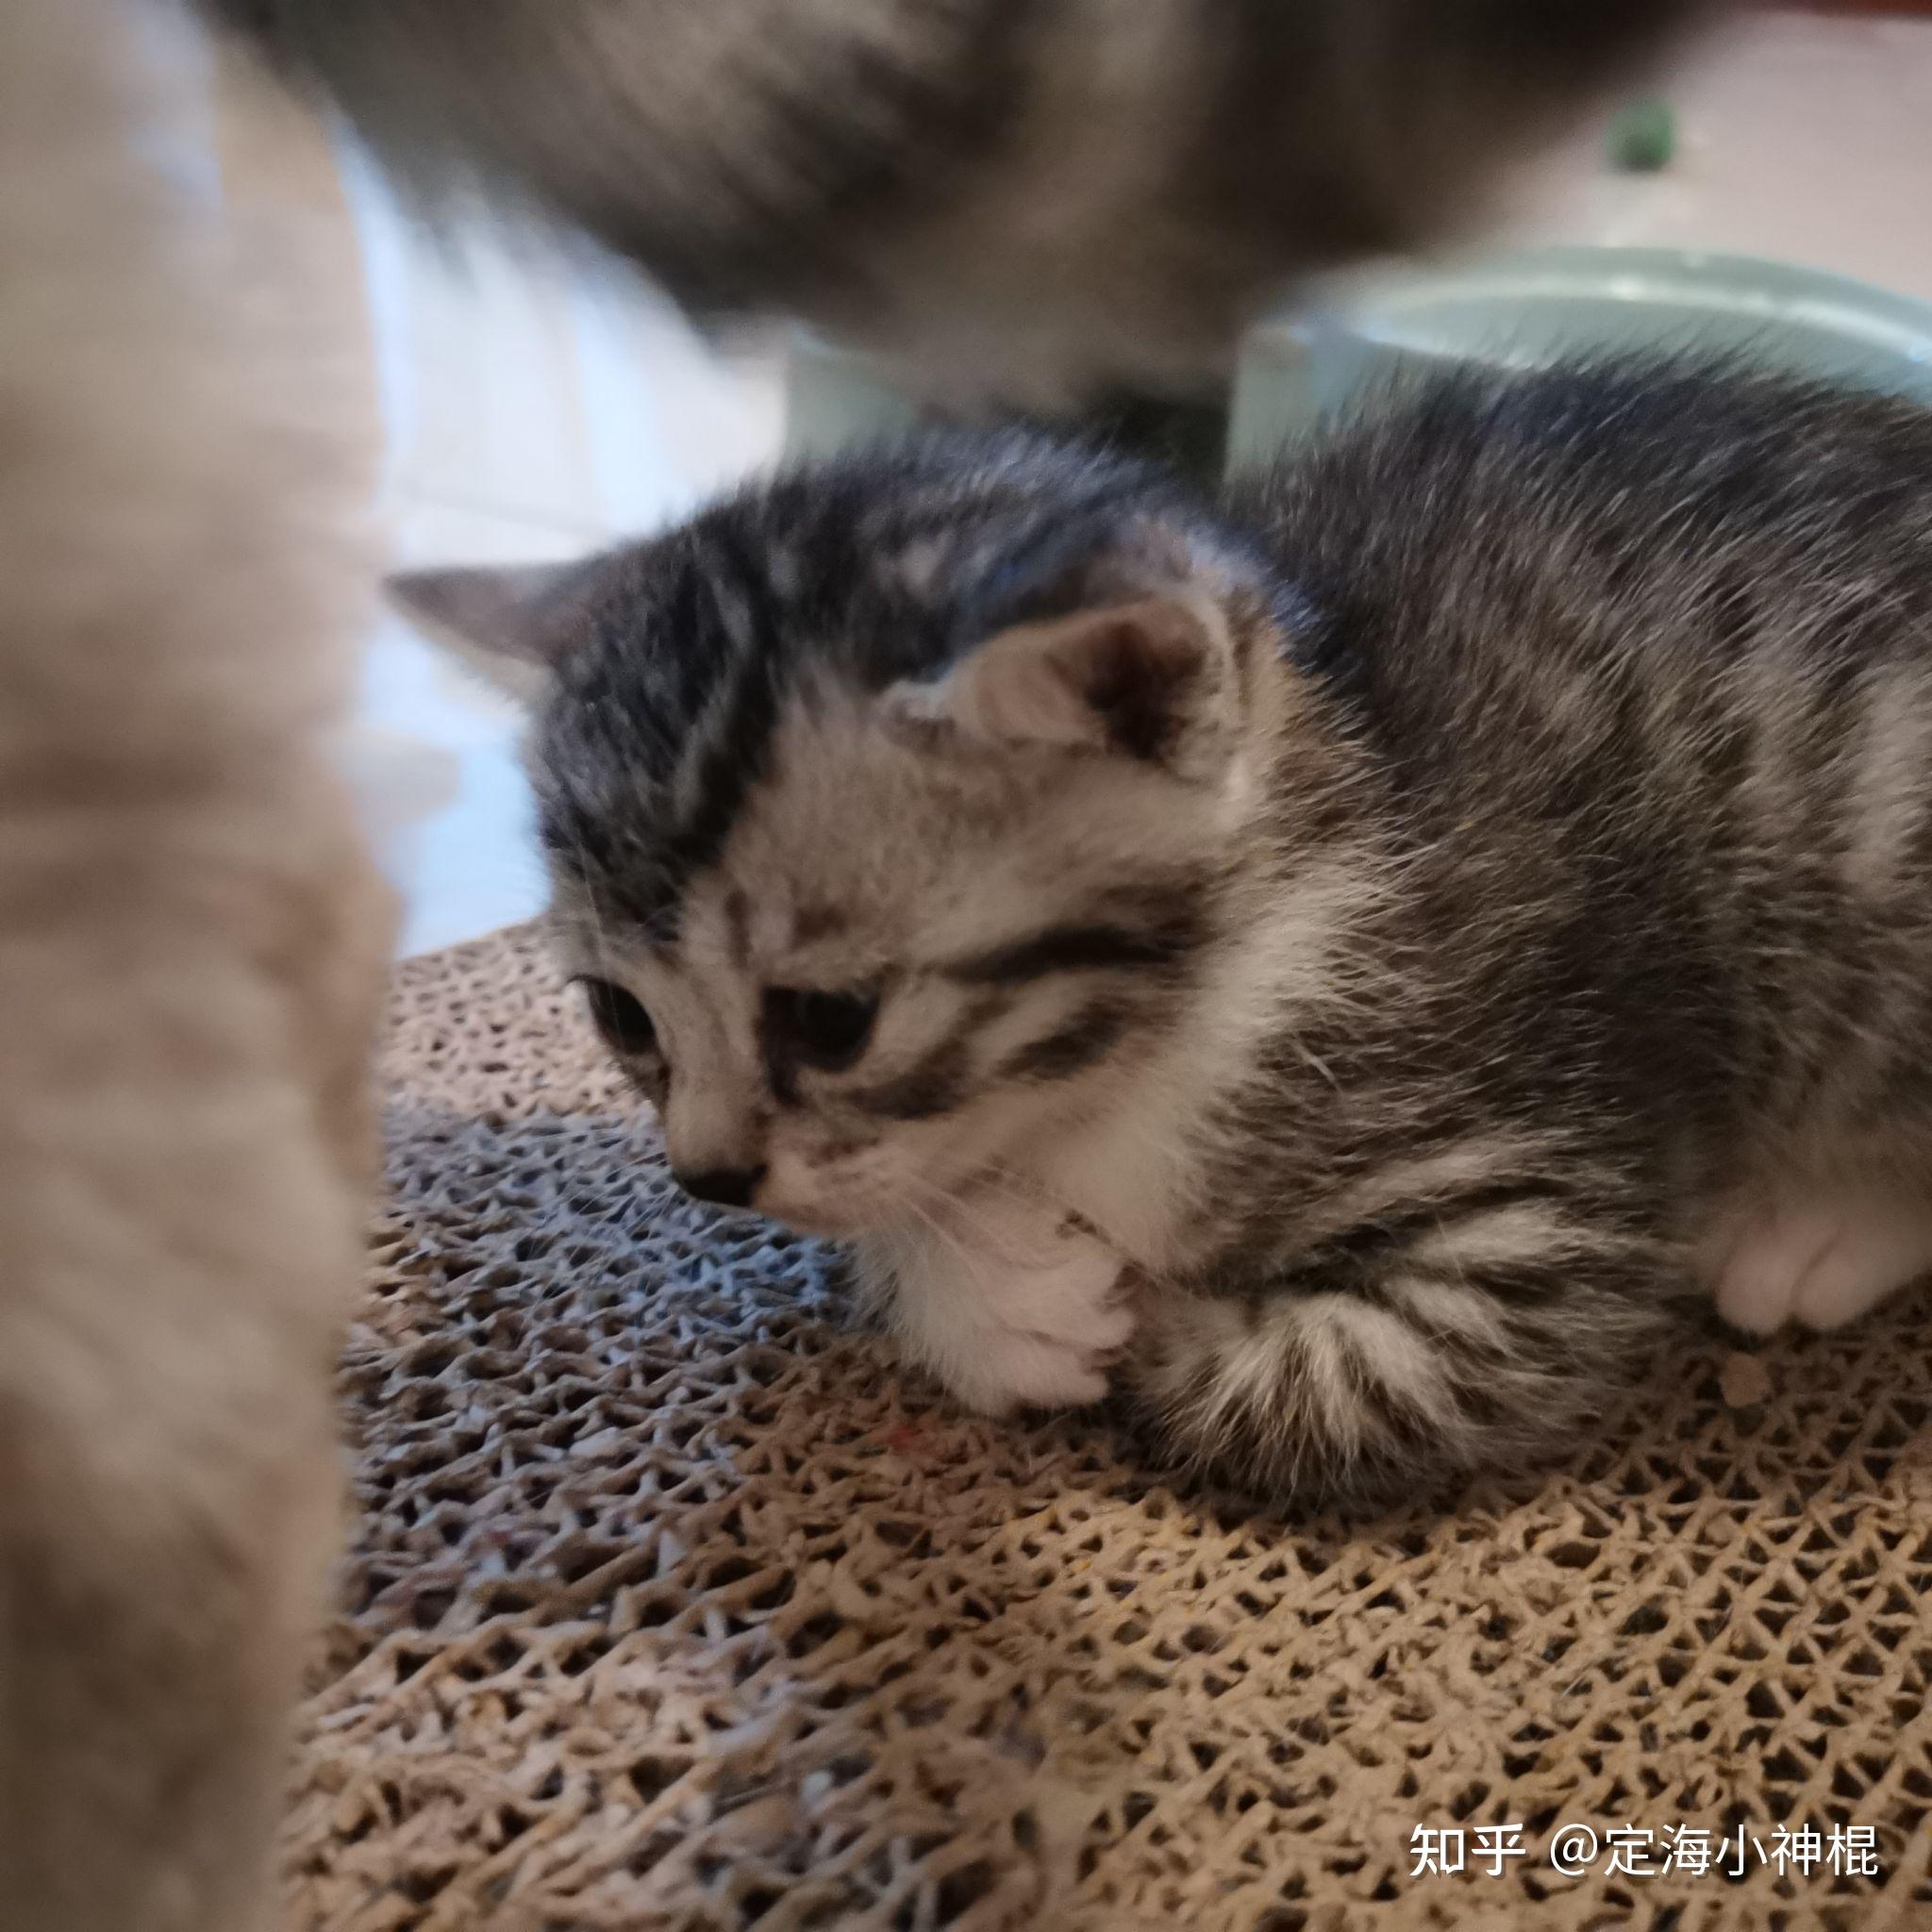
1478 1328
188 964
179 1155
1016 1308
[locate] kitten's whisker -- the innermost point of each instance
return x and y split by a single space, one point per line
954 1209
923 1197
940 1232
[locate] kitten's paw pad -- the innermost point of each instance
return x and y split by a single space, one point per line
1013 1369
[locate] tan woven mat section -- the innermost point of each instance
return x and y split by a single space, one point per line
671 1603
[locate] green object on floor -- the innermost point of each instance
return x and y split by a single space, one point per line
1355 336
1643 137
1528 309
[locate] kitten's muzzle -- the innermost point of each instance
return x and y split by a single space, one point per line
723 1186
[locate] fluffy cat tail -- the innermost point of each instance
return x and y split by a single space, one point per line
1488 1344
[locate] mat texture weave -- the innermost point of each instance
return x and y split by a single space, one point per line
672 1603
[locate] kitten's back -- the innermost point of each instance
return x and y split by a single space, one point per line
1661 635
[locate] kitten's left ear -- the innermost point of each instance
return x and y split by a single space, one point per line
512 626
1149 678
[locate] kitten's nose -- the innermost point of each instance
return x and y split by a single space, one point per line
728 1186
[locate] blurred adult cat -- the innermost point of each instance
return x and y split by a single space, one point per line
1043 194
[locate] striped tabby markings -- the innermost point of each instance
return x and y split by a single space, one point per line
1359 1373
1891 798
934 1085
944 1077
1089 1037
1171 931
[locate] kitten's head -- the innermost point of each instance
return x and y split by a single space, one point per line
889 807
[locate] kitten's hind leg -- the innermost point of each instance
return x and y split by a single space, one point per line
1822 1262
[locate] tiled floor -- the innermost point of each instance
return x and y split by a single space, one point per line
529 409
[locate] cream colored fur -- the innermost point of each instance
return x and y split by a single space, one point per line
189 948
1010 1308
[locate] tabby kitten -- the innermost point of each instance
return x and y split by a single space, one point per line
1029 196
1339 963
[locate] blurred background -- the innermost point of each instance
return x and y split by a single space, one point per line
519 405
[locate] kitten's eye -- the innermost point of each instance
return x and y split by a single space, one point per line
619 1015
823 1029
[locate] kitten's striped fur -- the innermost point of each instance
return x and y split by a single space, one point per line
1414 916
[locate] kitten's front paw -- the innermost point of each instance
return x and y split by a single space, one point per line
1012 1369
1009 1331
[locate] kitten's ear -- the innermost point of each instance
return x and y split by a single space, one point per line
512 626
1144 679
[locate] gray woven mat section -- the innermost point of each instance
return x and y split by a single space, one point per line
671 1603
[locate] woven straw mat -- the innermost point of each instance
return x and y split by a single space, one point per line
672 1603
